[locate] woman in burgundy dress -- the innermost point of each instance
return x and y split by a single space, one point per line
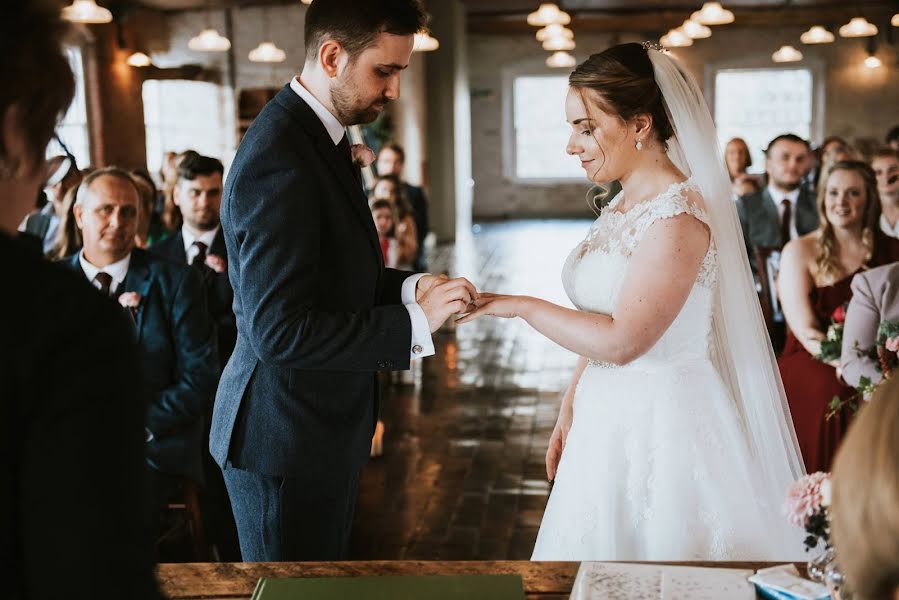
816 271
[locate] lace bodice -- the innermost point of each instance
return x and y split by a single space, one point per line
595 269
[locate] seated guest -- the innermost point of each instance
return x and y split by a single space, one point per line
892 138
71 413
200 243
150 228
737 159
384 214
68 238
875 298
885 163
783 210
173 329
816 271
391 161
834 149
864 511
390 188
62 175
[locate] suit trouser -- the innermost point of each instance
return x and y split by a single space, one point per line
283 518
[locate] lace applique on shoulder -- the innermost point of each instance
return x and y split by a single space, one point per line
620 232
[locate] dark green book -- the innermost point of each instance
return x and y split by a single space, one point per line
432 587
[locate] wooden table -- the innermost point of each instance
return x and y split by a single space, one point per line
236 581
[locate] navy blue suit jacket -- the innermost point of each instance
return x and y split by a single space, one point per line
317 313
218 289
179 357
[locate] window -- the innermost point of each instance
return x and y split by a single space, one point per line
187 115
73 130
540 130
760 104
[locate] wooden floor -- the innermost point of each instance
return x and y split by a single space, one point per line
462 476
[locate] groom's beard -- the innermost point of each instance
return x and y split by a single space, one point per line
351 108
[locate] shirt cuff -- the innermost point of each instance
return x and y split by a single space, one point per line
408 292
422 344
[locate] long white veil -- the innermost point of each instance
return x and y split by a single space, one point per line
744 356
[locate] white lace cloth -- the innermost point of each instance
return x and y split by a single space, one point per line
656 465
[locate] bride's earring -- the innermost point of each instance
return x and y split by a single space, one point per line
639 144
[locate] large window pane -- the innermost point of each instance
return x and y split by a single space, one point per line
541 132
72 130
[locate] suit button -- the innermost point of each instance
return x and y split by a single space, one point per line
417 349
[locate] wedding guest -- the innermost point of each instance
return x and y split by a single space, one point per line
885 163
892 138
864 512
150 227
174 332
875 299
68 238
201 244
783 210
390 188
392 161
71 415
816 271
834 149
737 159
171 214
62 175
384 214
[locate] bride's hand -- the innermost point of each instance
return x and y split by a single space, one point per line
497 305
558 440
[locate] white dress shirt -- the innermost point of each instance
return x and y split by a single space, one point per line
778 197
117 270
422 344
190 238
890 230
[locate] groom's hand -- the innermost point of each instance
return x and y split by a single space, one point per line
426 283
445 298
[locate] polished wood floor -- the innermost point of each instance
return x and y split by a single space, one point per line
462 475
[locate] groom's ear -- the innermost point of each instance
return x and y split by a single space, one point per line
331 56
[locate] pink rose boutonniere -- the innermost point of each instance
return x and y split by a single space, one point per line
362 155
216 263
131 301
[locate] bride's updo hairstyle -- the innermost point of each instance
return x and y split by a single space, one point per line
621 83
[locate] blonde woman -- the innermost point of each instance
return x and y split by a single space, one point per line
865 509
815 276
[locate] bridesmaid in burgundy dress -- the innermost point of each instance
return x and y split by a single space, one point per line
816 271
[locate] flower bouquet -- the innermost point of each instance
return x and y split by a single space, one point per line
832 344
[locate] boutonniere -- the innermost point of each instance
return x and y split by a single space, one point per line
216 263
131 302
362 155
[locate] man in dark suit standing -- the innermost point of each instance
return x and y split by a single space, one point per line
167 303
317 313
200 243
71 414
391 161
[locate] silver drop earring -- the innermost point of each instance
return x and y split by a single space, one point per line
639 144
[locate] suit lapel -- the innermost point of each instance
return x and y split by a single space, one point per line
138 280
807 213
771 218
218 245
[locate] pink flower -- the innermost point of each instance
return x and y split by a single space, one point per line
892 344
216 263
806 498
130 300
362 155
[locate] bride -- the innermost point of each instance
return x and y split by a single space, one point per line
674 440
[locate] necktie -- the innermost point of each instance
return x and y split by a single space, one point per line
343 147
200 257
105 281
785 222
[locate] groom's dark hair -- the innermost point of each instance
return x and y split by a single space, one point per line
356 23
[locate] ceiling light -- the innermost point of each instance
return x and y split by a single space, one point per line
548 13
267 52
895 20
558 43
872 62
560 60
712 13
424 42
858 27
306 1
676 38
816 35
209 40
86 11
786 54
695 31
554 30
139 59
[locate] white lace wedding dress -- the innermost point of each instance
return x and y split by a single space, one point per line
657 464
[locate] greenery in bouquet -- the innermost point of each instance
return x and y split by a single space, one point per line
832 344
885 353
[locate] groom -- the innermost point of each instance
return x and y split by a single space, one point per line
317 313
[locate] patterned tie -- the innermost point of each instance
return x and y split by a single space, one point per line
200 257
105 281
785 222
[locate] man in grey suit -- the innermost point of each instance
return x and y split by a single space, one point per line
875 298
783 210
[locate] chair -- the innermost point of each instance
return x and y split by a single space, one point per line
184 515
767 264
